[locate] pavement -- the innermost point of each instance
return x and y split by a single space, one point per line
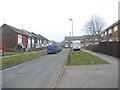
91 76
37 73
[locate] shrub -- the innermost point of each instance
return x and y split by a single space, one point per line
95 48
17 48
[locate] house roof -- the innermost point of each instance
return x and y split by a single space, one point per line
34 35
53 42
28 33
111 26
80 37
42 37
62 43
16 30
24 32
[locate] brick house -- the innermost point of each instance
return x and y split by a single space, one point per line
111 33
45 41
12 36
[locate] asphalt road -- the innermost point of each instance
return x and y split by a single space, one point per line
38 73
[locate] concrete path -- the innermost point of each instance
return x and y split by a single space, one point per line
37 73
92 76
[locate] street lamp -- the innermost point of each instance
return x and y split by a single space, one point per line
72 32
70 41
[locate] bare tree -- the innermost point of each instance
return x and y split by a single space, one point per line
94 26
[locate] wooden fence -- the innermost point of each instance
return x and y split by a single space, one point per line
110 48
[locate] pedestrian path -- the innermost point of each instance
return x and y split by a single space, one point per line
22 54
110 59
92 76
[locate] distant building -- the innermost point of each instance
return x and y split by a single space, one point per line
62 44
52 42
85 40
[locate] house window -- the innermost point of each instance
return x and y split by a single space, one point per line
102 35
82 45
19 39
38 41
44 41
71 40
66 40
96 42
110 31
91 42
66 45
115 28
106 33
82 40
96 39
32 40
29 40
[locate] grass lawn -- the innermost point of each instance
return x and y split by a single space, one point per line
9 61
12 53
83 58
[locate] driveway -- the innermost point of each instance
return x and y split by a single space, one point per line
37 73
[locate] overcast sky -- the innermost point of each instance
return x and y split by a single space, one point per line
50 18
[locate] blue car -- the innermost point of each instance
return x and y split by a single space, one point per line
52 49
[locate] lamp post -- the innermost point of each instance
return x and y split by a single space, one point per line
70 41
72 32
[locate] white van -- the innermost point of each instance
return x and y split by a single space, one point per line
76 45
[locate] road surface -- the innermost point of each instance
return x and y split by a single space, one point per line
38 73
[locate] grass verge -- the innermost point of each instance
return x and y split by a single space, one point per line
83 58
10 61
12 53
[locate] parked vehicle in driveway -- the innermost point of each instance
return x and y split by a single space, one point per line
52 49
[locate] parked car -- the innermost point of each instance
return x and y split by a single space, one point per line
52 49
59 49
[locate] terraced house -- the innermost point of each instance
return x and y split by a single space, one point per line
85 40
112 33
12 36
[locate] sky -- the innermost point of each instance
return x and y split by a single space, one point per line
50 18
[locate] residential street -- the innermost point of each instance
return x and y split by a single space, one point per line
38 73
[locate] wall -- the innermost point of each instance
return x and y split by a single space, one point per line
8 38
